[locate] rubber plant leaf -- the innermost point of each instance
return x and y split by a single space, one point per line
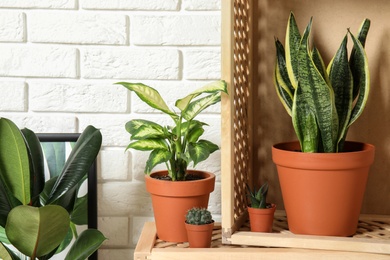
361 76
340 77
86 244
282 82
7 254
79 216
37 231
197 106
78 163
14 163
37 172
141 129
150 96
213 87
293 41
313 104
7 202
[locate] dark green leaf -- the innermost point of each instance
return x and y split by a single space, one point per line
86 244
293 39
79 216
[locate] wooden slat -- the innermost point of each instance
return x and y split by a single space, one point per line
146 242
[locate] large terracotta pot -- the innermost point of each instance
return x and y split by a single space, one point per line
323 192
172 199
199 236
261 220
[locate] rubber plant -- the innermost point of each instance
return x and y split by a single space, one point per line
176 145
37 217
322 101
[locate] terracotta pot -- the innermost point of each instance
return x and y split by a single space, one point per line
199 236
323 192
261 220
172 199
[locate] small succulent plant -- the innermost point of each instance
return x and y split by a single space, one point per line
198 216
258 198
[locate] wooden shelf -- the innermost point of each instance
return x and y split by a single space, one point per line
150 247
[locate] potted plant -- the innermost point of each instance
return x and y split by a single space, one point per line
38 218
176 189
322 176
261 213
199 225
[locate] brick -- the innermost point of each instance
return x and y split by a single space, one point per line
13 96
77 97
54 4
112 127
201 5
116 229
202 64
31 61
44 124
77 28
11 27
151 5
130 64
124 198
114 164
176 30
137 226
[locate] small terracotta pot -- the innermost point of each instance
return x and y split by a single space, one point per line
199 236
323 192
172 199
261 220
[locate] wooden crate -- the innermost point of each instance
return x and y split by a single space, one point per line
150 247
253 118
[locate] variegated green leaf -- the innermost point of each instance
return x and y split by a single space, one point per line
214 87
319 63
197 106
293 38
150 96
283 86
156 157
148 144
201 150
342 83
144 129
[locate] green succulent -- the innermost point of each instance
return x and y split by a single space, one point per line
198 216
179 144
322 101
258 198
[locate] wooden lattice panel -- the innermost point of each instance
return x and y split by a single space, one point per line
241 103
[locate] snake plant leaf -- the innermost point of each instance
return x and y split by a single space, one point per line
361 78
37 174
148 144
313 103
201 150
362 35
14 163
150 96
78 163
293 41
320 65
156 157
213 87
141 129
37 231
85 245
197 106
340 77
283 86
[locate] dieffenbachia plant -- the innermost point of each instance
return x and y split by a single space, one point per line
176 145
322 101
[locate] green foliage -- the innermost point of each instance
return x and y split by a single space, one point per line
322 101
258 198
36 216
179 144
198 216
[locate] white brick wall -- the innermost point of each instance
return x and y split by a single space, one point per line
58 65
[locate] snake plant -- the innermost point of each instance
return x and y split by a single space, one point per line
176 145
323 101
